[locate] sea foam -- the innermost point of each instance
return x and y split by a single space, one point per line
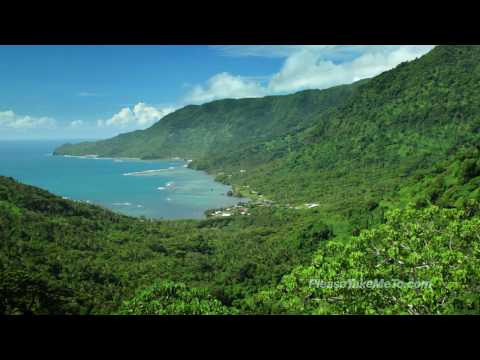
145 173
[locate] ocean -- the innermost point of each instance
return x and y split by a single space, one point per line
156 189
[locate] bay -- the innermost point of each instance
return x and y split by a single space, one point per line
154 188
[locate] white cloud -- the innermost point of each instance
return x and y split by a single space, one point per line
305 67
140 116
8 119
76 123
225 85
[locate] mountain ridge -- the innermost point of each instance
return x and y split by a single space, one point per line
391 166
265 116
342 148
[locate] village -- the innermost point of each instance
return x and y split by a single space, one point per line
239 209
243 209
256 199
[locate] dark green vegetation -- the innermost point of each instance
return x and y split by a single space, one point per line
202 131
437 247
392 162
169 298
342 147
78 258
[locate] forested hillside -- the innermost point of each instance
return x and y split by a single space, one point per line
342 148
62 256
391 165
399 123
220 126
429 236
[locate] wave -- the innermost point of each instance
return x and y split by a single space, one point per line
122 204
168 185
93 156
145 173
98 157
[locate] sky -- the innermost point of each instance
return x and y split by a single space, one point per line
93 92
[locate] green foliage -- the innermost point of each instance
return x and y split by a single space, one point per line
436 251
393 161
470 169
310 237
209 129
26 293
343 148
169 298
102 258
451 183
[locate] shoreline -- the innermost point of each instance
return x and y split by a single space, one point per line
153 172
99 157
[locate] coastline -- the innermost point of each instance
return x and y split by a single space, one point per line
184 164
97 157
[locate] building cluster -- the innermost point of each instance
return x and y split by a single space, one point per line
231 211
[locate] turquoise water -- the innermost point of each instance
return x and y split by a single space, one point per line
173 192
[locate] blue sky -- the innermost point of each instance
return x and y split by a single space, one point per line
100 91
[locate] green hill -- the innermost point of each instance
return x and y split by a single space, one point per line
61 256
392 163
399 123
200 131
427 248
342 148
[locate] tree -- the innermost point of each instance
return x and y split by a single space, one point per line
433 253
25 293
170 298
